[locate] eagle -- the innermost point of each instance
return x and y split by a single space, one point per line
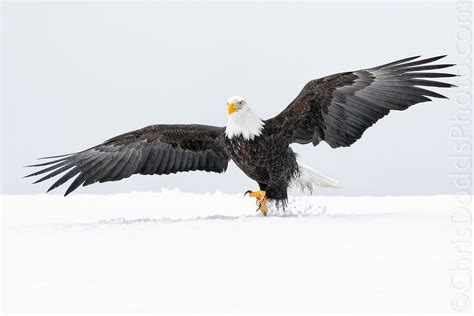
336 109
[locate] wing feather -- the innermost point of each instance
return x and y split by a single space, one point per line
107 169
164 159
338 108
156 149
418 62
170 160
177 160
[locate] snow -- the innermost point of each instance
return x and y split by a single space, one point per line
180 252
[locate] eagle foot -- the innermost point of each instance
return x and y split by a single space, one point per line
261 200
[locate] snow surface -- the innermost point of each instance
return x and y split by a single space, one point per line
183 252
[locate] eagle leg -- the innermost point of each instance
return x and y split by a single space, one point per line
261 200
263 207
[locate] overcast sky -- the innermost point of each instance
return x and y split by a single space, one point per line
77 74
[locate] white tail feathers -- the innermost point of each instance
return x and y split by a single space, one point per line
309 177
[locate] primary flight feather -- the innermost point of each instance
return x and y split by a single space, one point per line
336 109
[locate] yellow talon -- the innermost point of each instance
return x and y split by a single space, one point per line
259 195
261 200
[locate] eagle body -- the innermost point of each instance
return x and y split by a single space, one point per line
336 109
268 160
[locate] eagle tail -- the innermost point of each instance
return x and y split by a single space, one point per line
308 177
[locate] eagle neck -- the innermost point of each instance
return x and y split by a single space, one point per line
244 123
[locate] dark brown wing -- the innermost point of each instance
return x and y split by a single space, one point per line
156 149
339 108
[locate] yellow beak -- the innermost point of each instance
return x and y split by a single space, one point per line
230 108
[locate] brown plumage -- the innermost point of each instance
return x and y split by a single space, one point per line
339 108
156 149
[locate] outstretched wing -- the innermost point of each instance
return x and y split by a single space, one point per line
156 149
339 108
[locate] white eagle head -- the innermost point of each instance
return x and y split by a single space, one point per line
241 120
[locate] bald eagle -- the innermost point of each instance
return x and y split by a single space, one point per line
336 109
